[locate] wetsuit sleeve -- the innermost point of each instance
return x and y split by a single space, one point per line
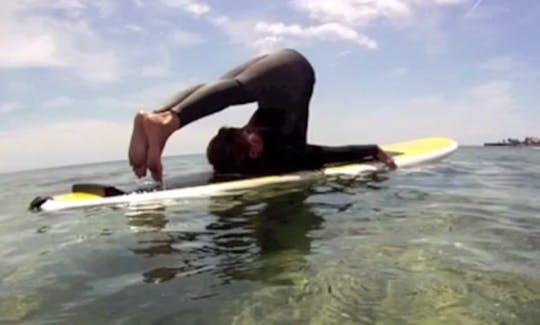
321 155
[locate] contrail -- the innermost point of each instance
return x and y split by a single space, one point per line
473 8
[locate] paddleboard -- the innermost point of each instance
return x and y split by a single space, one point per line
405 154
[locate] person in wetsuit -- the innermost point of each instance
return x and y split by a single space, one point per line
275 138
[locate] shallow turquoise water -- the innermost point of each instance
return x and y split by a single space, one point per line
450 243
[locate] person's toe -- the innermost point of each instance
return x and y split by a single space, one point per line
138 144
140 171
153 162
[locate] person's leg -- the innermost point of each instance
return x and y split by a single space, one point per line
233 73
150 131
206 99
178 98
138 147
156 128
283 78
211 98
283 84
285 72
184 94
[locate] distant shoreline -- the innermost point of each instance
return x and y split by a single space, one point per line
510 142
498 144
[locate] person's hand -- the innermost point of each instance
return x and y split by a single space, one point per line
150 134
386 159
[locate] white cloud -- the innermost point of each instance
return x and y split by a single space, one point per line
479 113
354 12
97 66
71 142
267 36
9 107
509 67
133 28
428 33
59 102
344 53
342 20
470 12
105 7
155 71
220 20
161 64
493 95
198 9
193 7
503 63
487 10
417 18
185 38
165 53
365 13
399 72
31 37
451 2
17 86
324 32
473 115
74 5
39 50
148 98
86 141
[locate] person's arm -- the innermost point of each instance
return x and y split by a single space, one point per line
348 154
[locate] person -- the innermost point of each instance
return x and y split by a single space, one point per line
275 138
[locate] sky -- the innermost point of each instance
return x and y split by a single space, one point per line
74 72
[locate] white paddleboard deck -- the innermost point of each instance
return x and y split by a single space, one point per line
409 153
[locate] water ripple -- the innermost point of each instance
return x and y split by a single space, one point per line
455 242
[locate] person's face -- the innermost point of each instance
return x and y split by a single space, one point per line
253 142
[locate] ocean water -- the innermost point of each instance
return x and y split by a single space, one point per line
456 242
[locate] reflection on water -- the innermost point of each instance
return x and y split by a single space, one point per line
243 233
451 243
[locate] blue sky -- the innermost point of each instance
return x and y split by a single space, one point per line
73 72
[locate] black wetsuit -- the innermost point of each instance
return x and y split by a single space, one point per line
282 84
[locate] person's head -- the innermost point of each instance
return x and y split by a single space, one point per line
235 150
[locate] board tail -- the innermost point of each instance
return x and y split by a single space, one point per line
37 202
84 189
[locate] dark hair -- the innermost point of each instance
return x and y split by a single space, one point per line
227 152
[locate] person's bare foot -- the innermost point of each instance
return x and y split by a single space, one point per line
138 146
157 128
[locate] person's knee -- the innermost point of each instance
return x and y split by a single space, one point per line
300 59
